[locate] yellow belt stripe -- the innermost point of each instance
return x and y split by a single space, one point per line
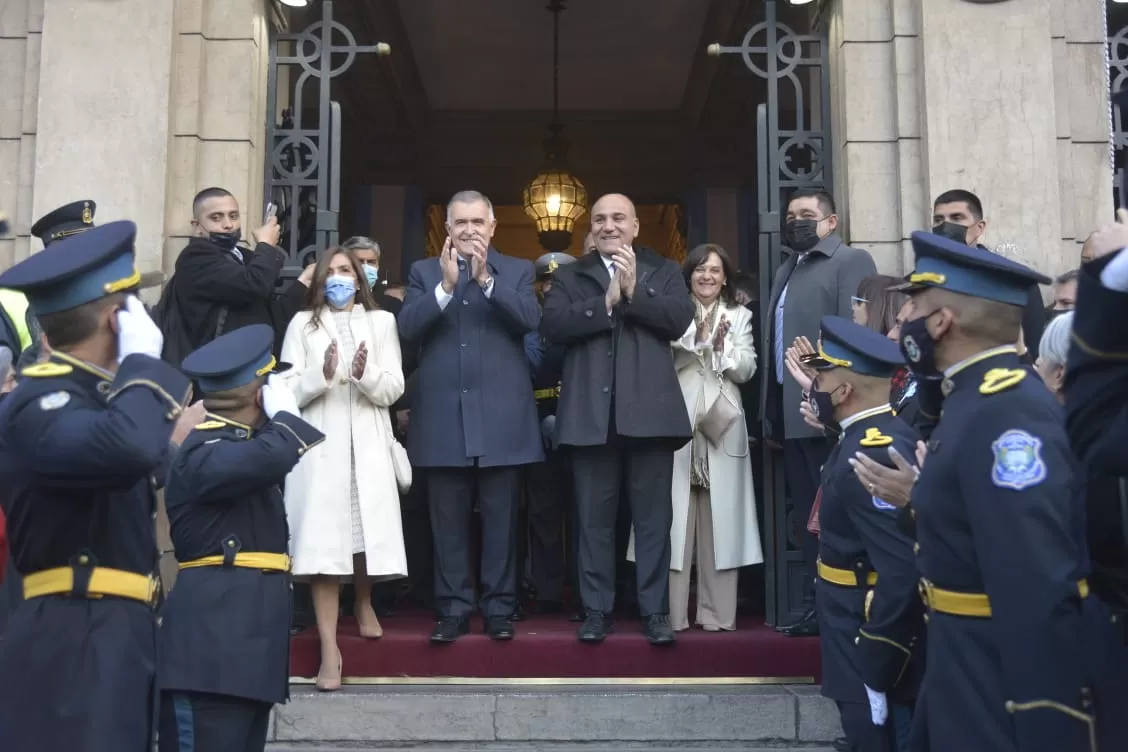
843 577
103 581
968 604
546 393
245 560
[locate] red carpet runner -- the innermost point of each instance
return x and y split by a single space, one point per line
546 647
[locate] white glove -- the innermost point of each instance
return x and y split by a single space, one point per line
879 707
276 398
137 332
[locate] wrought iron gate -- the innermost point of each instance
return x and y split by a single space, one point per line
793 152
303 169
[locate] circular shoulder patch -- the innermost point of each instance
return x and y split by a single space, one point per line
54 400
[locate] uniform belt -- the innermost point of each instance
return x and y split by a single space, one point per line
103 581
544 394
244 559
968 604
843 577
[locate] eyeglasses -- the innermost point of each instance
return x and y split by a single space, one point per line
856 301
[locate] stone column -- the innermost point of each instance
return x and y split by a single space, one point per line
218 106
21 24
1007 100
103 112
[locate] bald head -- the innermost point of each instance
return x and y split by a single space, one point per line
613 222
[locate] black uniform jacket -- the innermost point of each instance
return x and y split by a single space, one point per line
997 513
1096 400
225 629
870 633
623 359
78 447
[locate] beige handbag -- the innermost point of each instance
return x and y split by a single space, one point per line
719 419
401 465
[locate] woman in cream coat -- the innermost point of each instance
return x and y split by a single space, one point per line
714 499
342 500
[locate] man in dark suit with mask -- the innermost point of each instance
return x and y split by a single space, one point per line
818 278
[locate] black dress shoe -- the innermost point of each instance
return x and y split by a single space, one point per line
449 629
841 744
658 630
499 628
808 626
597 625
519 613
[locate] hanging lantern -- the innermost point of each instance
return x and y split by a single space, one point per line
555 200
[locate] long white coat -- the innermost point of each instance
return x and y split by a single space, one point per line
317 490
736 532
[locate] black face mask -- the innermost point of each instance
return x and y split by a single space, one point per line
918 347
1053 313
226 240
801 235
951 231
823 405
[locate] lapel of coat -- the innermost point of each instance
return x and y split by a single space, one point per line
592 266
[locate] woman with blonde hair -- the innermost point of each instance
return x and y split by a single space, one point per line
342 501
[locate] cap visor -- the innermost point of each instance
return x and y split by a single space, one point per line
281 367
817 362
907 287
152 279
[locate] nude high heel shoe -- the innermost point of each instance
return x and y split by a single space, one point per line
331 685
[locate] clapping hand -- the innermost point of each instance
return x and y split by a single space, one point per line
719 336
891 484
360 360
614 292
448 262
329 367
625 269
189 418
1111 237
809 417
479 268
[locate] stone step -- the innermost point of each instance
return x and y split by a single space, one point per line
654 718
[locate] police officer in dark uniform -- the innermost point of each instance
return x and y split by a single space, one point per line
550 495
1096 399
224 642
870 616
80 439
999 524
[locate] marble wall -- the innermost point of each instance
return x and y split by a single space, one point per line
1007 100
21 32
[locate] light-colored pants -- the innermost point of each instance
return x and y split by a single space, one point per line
716 589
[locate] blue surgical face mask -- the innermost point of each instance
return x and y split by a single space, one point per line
371 273
339 290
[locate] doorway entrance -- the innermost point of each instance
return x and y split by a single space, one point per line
708 113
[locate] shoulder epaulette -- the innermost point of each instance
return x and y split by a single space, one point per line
1000 379
209 425
875 438
45 370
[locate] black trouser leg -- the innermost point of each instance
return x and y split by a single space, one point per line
200 722
499 490
802 463
596 475
860 731
450 500
548 498
649 476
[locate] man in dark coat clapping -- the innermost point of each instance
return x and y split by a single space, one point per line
473 415
621 409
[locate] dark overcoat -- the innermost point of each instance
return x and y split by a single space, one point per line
78 449
622 359
473 397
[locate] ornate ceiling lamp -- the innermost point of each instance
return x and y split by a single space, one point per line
555 199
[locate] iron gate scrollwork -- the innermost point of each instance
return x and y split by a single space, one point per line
303 174
793 153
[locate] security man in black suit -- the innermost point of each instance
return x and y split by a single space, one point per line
81 438
870 616
1000 526
550 497
224 643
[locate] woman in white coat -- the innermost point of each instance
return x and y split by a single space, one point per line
714 499
342 499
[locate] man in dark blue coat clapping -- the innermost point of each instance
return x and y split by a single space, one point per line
473 415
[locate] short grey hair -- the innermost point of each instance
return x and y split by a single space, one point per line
361 243
469 197
1054 347
1072 275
